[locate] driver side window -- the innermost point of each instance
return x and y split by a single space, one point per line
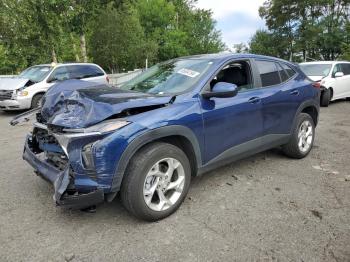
59 74
238 73
337 68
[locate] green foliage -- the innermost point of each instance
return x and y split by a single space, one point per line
313 29
270 44
117 34
118 41
240 48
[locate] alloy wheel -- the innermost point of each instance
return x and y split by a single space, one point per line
305 136
164 184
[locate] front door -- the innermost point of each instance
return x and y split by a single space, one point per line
230 122
342 84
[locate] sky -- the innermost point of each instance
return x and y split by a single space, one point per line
236 19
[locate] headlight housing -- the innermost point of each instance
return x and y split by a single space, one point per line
99 129
20 92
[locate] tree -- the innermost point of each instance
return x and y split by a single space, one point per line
118 41
118 34
270 44
313 27
241 48
79 14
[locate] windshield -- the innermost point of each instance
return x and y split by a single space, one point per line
316 69
36 73
170 77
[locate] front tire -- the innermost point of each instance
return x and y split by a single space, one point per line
156 181
37 101
325 98
302 138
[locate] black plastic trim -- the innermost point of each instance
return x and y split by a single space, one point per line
148 137
244 150
305 104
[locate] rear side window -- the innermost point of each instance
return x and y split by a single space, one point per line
346 69
84 71
269 73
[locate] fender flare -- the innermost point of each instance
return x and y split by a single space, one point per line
305 104
148 137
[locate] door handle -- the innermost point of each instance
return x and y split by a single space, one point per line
294 92
254 100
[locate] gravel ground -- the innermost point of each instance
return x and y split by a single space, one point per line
264 208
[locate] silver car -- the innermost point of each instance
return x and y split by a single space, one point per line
26 90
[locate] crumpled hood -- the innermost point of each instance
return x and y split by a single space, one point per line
79 104
12 83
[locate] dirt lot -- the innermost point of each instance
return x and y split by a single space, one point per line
264 208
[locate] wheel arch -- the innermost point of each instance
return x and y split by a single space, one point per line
34 95
38 93
309 107
179 136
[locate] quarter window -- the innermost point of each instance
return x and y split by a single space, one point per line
283 73
269 73
290 71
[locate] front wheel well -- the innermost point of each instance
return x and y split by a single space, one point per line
39 93
184 144
312 111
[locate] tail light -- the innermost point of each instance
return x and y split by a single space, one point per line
107 78
316 85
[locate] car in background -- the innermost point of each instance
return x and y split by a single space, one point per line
333 77
178 119
26 90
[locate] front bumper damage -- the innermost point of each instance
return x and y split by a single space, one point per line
65 195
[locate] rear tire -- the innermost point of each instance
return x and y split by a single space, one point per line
36 101
302 138
150 189
325 98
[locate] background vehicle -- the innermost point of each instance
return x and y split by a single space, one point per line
27 90
178 119
334 78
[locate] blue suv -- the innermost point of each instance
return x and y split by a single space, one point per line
178 119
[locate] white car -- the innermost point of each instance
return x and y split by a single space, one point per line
26 90
333 76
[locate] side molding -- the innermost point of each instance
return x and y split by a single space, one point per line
244 150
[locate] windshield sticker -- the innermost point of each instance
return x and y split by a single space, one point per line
44 69
188 72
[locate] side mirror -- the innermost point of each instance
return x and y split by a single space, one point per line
222 90
339 74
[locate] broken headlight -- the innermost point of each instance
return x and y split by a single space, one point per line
101 128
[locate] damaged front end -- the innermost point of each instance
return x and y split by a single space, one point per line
75 144
75 186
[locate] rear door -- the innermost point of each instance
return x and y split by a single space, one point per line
88 72
281 97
